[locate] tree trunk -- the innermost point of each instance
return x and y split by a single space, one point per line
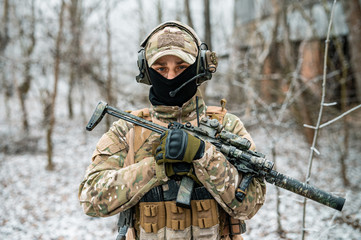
207 24
207 37
6 85
159 11
74 51
57 59
352 11
109 81
24 87
4 31
188 13
23 90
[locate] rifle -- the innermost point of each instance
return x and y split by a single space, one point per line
235 148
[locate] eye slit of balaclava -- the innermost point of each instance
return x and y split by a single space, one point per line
161 86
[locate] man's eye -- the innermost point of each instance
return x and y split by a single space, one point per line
183 67
161 69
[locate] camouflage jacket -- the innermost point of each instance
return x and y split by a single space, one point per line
121 174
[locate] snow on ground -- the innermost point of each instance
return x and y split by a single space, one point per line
42 205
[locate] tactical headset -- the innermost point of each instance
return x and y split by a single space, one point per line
206 60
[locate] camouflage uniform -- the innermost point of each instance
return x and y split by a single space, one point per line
124 170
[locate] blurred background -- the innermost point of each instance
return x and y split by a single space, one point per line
58 58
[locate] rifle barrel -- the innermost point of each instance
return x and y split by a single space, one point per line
305 190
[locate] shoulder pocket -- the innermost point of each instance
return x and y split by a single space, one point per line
107 146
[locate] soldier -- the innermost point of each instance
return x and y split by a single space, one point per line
134 168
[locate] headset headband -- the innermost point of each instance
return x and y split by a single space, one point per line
177 24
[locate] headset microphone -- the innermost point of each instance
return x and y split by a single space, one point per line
173 93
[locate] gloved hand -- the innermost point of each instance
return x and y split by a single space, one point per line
177 145
180 169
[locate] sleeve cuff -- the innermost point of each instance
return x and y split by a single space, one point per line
160 172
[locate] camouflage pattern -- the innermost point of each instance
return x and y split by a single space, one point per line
171 41
121 174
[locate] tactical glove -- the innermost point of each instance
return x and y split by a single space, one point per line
180 169
177 145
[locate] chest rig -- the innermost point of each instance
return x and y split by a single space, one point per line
156 216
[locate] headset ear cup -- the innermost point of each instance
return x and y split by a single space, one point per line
211 61
202 67
143 76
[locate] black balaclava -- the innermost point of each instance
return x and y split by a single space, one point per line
161 86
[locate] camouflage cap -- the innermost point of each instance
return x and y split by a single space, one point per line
171 41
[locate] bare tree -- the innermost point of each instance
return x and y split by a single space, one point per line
317 127
207 36
27 42
188 13
207 24
109 81
74 50
51 111
4 31
4 41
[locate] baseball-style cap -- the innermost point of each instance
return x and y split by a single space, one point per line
171 41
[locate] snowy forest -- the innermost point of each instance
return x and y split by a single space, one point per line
291 70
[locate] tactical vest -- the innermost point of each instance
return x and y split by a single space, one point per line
158 217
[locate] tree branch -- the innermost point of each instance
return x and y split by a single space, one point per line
313 148
339 117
